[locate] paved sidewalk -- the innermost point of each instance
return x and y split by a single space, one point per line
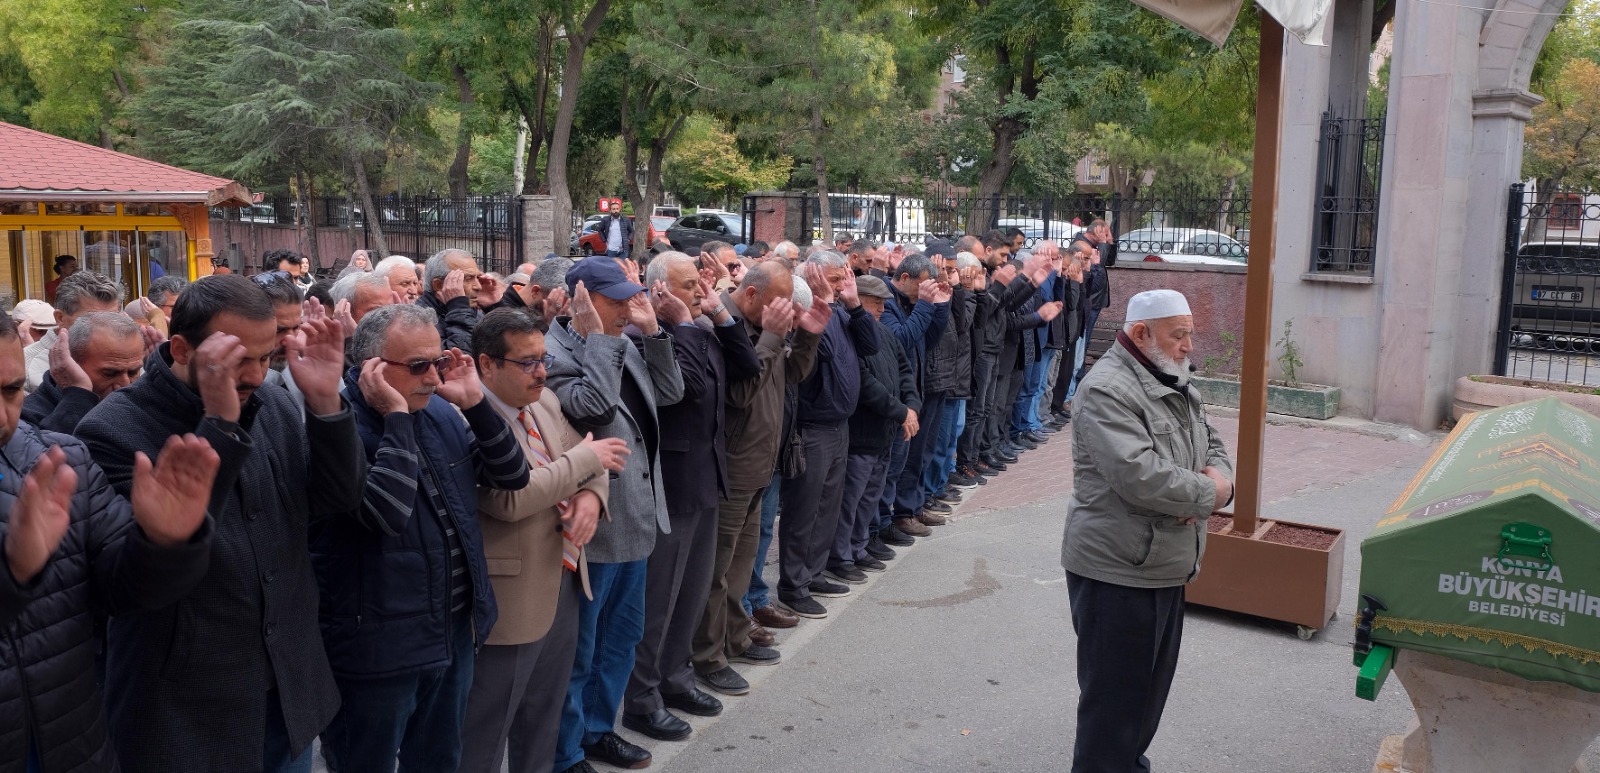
960 657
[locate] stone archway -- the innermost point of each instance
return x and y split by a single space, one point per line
1458 102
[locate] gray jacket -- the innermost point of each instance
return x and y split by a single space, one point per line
587 378
1137 449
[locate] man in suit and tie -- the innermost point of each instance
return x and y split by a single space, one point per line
532 541
712 352
611 386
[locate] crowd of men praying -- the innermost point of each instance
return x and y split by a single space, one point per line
457 520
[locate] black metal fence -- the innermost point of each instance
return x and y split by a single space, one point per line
1550 289
1171 228
1349 167
489 227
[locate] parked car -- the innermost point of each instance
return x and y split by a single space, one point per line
662 222
706 226
1181 245
1556 289
592 242
1032 228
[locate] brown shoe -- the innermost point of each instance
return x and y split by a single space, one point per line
762 637
930 519
770 616
909 525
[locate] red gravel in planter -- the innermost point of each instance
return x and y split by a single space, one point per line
1299 536
1217 523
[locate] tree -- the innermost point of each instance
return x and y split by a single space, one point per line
249 89
1562 143
76 56
705 165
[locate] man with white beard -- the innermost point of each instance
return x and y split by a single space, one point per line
1148 470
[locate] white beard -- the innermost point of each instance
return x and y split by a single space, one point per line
1178 369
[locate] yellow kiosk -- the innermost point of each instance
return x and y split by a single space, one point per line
68 204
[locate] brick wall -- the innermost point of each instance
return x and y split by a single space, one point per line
1215 293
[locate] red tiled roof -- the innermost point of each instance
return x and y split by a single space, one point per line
35 162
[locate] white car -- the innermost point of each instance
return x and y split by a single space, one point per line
1032 229
1181 245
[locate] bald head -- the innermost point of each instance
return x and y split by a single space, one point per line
762 285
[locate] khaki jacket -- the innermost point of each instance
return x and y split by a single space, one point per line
1137 449
522 529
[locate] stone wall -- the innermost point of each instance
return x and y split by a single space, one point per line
538 233
1215 293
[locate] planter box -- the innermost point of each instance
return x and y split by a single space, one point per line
1311 401
1293 584
1480 393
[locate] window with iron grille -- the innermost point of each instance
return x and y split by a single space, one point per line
1349 165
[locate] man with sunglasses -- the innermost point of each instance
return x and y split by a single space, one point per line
405 588
612 386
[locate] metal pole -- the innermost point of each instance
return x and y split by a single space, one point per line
1258 281
1508 279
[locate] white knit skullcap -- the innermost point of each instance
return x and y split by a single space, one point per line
1157 304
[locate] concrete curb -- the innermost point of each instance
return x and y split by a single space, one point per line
1344 424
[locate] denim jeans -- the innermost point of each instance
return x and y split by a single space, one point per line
415 716
943 462
756 597
891 480
609 628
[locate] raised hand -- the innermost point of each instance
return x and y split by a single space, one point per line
927 289
555 303
973 278
382 397
169 498
455 286
942 293
778 317
40 516
581 517
489 290
459 383
315 354
815 319
709 299
65 370
642 314
585 320
817 281
630 268
153 337
1004 275
1050 311
613 451
668 306
847 292
216 373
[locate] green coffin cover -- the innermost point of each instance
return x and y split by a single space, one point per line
1436 560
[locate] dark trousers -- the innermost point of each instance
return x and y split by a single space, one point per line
858 507
724 628
757 596
609 628
891 481
416 717
1066 373
973 435
1128 642
677 583
909 493
811 509
514 709
1007 383
276 755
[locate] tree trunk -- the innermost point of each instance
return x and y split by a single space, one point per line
992 179
519 162
458 167
644 202
309 192
538 125
374 215
571 79
819 164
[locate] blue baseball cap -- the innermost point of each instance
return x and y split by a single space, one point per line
602 275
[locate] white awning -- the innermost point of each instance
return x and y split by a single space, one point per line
1213 19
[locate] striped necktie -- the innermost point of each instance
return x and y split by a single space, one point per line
541 457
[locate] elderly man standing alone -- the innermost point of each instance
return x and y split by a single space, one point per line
1148 470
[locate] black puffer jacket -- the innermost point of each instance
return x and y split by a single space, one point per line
47 628
888 390
950 361
56 409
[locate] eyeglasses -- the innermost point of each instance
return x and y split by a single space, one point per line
421 366
528 366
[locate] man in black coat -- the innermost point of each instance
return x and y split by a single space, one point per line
452 285
75 549
712 352
234 677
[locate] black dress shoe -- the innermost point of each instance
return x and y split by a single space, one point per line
937 507
1006 456
950 496
1034 438
659 724
828 590
696 702
989 466
726 681
1023 443
1056 423
893 536
613 749
877 549
757 655
581 766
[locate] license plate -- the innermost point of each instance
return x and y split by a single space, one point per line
1559 294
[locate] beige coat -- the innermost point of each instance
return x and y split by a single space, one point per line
522 529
